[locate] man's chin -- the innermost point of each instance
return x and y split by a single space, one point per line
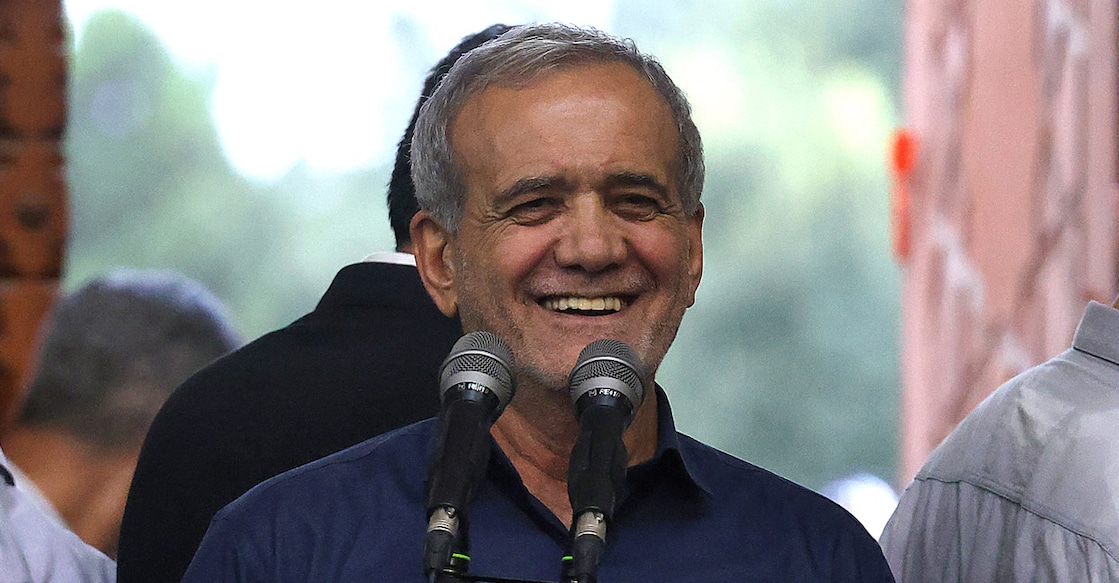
552 382
539 368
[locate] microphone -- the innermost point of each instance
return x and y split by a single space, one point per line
475 384
607 386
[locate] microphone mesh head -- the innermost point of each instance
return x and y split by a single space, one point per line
480 353
614 359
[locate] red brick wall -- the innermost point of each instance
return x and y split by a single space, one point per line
1013 103
32 192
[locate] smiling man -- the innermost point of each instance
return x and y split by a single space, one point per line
559 174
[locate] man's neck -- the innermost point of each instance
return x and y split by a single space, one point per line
85 484
537 432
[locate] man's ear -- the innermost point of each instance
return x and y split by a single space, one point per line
434 247
695 251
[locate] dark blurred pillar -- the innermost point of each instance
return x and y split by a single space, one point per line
1013 196
32 190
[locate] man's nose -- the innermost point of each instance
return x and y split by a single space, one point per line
592 239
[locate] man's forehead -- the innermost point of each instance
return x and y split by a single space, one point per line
571 114
526 80
612 82
587 125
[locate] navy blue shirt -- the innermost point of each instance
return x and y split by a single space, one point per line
692 513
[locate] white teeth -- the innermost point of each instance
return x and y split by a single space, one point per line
600 304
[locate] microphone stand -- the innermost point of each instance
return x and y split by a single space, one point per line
595 478
447 554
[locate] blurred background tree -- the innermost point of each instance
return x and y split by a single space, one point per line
788 359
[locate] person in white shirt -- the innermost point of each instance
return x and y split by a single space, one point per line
36 549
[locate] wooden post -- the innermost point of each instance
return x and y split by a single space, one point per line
32 188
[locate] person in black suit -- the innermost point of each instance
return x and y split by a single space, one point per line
364 362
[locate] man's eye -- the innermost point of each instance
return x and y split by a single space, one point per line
637 207
534 210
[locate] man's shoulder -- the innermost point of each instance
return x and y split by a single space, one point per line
1061 404
299 522
341 481
733 481
1020 446
259 372
342 341
717 471
784 517
327 381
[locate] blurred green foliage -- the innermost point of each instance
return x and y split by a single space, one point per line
150 187
789 357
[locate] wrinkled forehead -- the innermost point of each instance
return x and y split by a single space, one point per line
623 72
600 112
524 75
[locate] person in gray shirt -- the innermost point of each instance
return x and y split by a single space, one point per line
1026 488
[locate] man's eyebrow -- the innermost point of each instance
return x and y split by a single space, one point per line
528 185
637 179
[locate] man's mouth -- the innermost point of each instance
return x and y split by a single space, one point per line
583 306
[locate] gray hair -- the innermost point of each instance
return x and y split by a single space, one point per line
515 59
113 351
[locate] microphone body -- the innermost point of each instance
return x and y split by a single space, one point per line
476 383
607 386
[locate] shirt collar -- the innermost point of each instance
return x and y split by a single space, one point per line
393 257
670 463
670 458
1098 332
4 473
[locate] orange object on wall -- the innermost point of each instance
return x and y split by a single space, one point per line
903 159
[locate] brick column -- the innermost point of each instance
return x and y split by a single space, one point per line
1013 103
32 192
